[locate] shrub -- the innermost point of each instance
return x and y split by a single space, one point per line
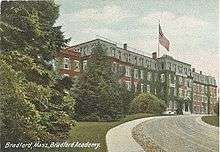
147 103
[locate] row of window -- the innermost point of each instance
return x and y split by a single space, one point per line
204 79
176 68
129 85
200 98
67 64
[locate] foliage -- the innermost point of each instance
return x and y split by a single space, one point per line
28 68
179 102
19 116
216 108
34 105
98 93
147 103
27 110
28 27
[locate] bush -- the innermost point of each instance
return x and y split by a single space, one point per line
147 103
216 109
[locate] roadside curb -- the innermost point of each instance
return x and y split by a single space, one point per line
120 139
201 122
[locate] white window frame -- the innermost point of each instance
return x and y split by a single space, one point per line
127 71
66 62
84 64
142 87
142 74
162 77
136 73
77 65
148 88
149 76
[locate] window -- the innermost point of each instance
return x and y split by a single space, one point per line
169 77
76 64
114 67
142 61
174 78
142 87
180 92
135 60
162 66
136 73
155 76
119 55
84 65
174 67
135 86
180 80
169 65
127 71
65 75
128 83
174 91
142 74
180 70
126 57
66 63
129 57
185 71
114 52
53 64
149 76
162 77
148 88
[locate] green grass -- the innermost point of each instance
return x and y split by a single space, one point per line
212 120
96 131
93 132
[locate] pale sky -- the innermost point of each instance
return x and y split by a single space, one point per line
190 25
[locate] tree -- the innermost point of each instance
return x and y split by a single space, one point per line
18 115
29 40
97 90
28 27
147 103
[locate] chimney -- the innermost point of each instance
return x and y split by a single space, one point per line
193 69
125 46
200 72
154 55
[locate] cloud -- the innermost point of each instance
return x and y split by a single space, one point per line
190 22
107 14
153 18
173 20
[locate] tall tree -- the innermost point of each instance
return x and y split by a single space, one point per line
28 27
29 39
98 93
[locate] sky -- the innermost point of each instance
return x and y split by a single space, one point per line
190 25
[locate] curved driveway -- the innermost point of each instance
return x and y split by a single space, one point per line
177 134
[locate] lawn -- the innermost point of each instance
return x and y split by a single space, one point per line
93 132
212 120
96 131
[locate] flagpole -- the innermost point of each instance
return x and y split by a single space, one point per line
158 45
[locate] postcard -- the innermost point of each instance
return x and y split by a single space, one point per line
109 76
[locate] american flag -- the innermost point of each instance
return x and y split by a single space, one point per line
163 40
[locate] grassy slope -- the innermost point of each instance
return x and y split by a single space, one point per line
96 131
93 132
212 120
